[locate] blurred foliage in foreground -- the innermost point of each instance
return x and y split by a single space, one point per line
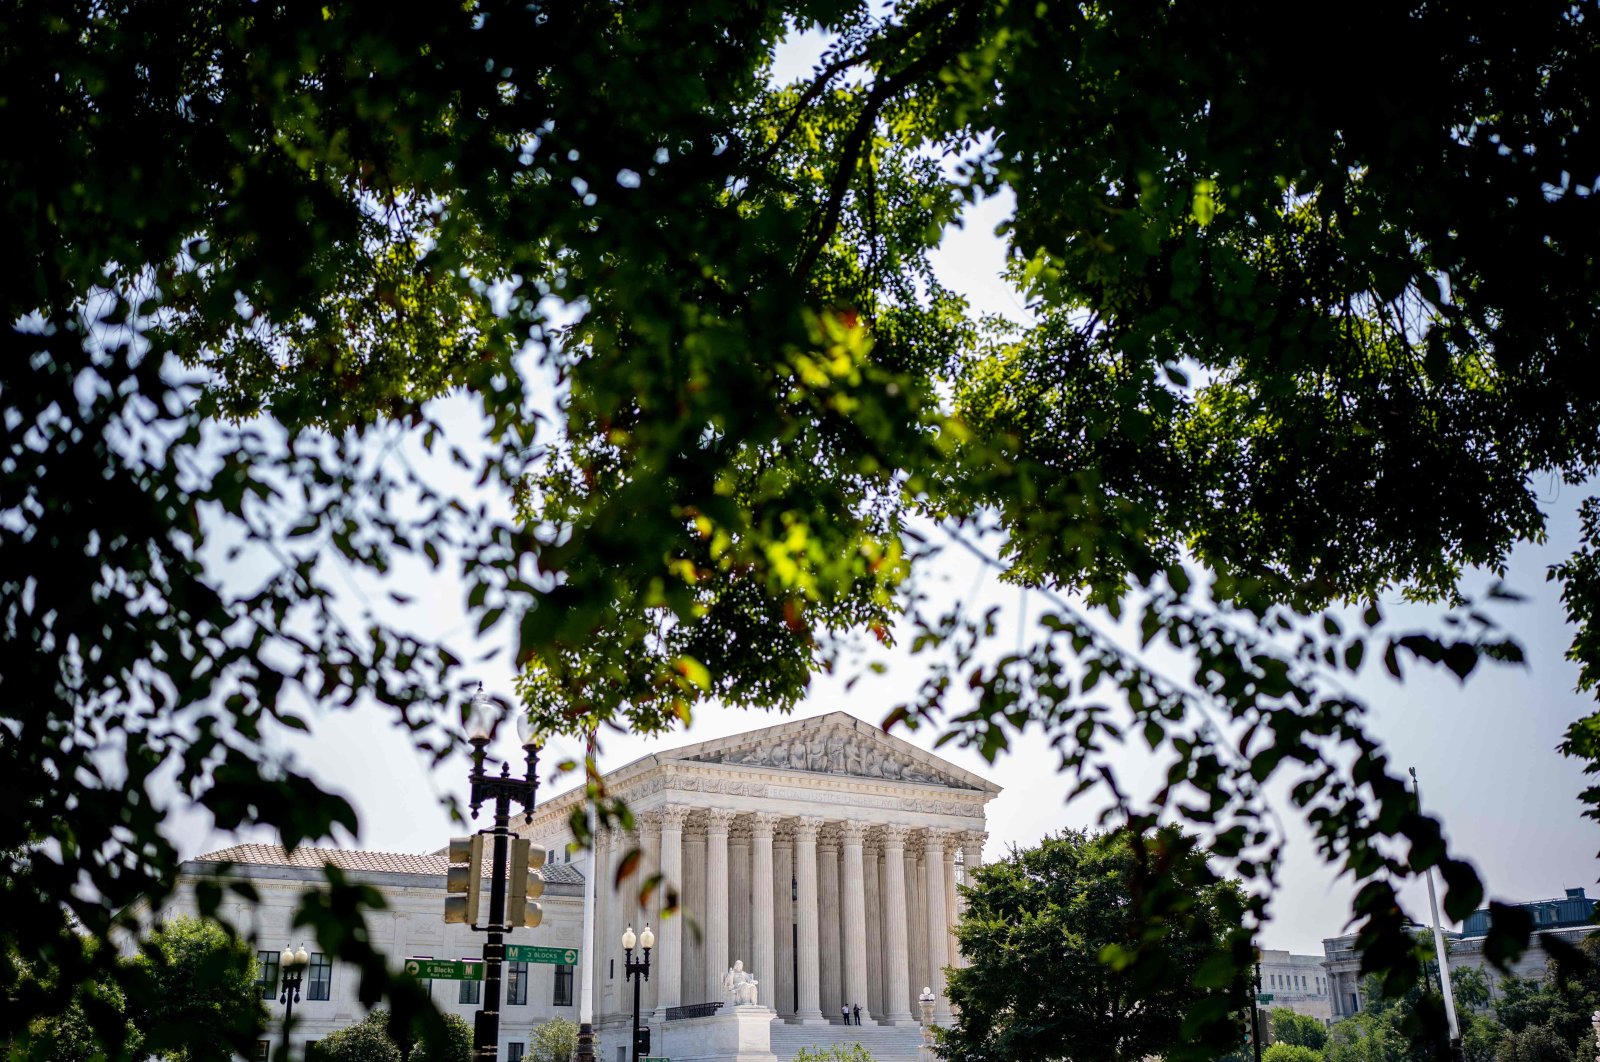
1299 331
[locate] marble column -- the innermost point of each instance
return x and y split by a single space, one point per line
650 911
897 957
805 873
599 868
669 941
853 918
694 943
739 912
830 988
762 964
916 919
971 860
952 951
938 929
874 925
716 911
783 922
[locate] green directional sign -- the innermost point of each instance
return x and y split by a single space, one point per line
1265 997
444 970
529 953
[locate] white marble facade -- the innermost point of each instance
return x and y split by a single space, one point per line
822 852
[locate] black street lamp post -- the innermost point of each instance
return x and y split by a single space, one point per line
502 789
636 972
293 965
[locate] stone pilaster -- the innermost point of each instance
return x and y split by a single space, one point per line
668 959
806 960
934 859
896 952
853 920
716 912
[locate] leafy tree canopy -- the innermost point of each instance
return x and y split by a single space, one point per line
834 1053
554 1041
1072 959
367 1040
1286 1052
1294 337
194 993
1299 1030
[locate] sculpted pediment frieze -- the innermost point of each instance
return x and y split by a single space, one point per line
837 752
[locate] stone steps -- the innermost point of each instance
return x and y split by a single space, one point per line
886 1043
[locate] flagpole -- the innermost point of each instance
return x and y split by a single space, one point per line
1445 988
586 961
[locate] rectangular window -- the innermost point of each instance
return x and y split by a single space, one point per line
517 984
471 992
319 978
267 973
563 996
514 1051
263 1050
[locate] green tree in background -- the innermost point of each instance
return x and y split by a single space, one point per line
1066 964
452 1043
367 1040
554 1041
1300 1030
95 1023
1294 340
1285 1052
380 1036
834 1053
193 992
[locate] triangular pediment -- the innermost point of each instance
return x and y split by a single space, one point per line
834 744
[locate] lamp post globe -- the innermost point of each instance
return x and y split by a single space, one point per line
293 965
482 717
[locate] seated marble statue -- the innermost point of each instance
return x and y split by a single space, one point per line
738 986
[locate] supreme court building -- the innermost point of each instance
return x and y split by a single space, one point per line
821 852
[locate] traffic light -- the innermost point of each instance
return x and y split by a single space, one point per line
641 1043
527 883
464 879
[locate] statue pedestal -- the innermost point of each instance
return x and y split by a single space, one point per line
734 1034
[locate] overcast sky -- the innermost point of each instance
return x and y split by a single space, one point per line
1485 751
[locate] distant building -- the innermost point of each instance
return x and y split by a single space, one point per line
1569 918
1295 981
1341 970
821 853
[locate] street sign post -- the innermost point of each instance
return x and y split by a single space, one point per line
530 953
444 970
